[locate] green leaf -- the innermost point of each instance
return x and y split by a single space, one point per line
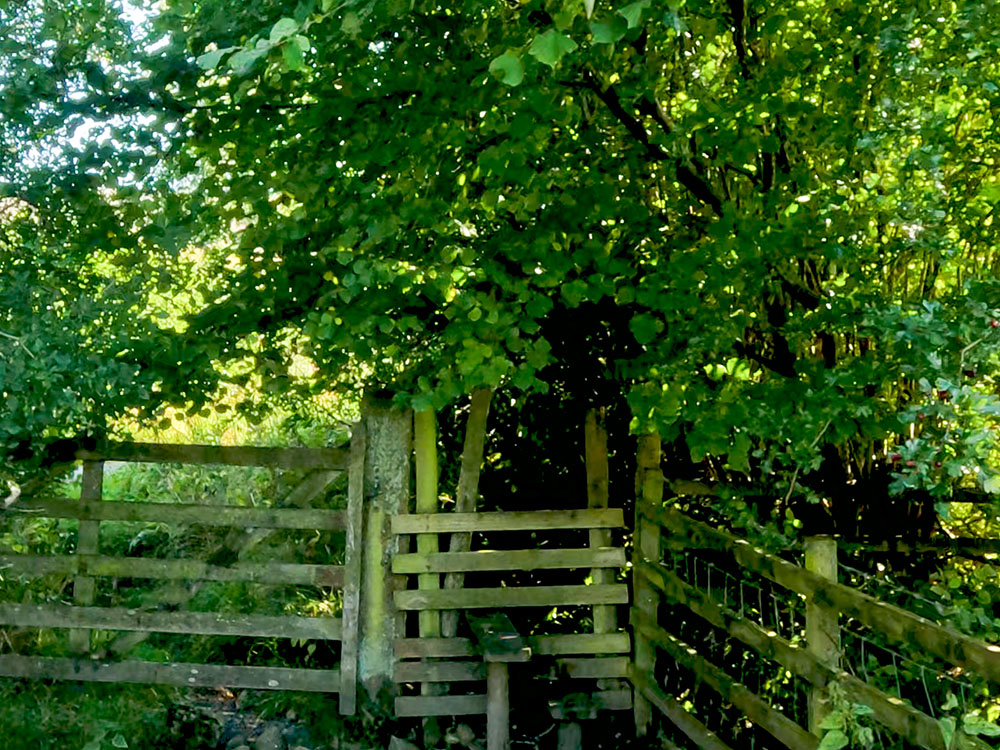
645 328
508 68
609 32
976 724
633 13
550 47
210 60
588 5
351 25
283 28
293 52
244 61
991 484
119 741
947 727
834 740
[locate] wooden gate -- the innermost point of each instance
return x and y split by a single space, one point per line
90 608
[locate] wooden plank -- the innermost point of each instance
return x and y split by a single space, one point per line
497 639
439 671
203 623
523 559
88 535
440 705
914 726
499 598
179 675
580 643
424 648
592 668
529 520
208 515
648 494
275 458
695 731
173 570
896 624
352 572
541 645
576 707
756 709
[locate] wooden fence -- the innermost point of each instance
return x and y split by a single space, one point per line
596 659
87 565
661 530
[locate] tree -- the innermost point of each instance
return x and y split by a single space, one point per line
761 230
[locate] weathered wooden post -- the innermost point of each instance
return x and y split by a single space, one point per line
646 546
425 458
386 493
822 626
352 572
596 459
84 587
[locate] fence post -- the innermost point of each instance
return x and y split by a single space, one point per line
646 546
425 458
386 493
596 459
352 572
84 587
822 626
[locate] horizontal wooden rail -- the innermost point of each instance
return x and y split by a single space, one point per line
756 709
541 645
600 668
276 458
531 520
440 705
525 559
208 515
450 671
200 623
913 725
293 574
180 675
439 671
695 731
894 623
548 596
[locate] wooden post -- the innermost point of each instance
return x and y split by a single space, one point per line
497 706
596 458
386 493
822 626
352 572
84 587
425 457
646 546
468 492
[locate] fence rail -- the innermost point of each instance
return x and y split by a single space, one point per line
662 529
86 567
